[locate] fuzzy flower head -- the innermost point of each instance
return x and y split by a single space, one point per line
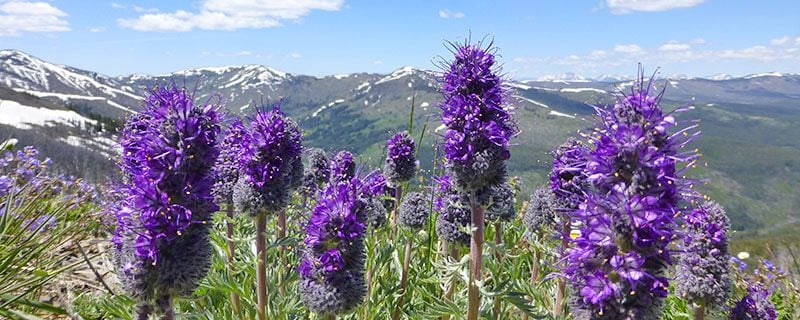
540 214
755 305
567 179
343 166
273 145
226 169
703 269
318 170
478 125
452 224
635 173
499 202
173 145
401 163
332 268
414 210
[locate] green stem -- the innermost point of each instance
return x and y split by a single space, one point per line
261 272
403 280
476 259
281 235
498 239
398 195
237 306
558 308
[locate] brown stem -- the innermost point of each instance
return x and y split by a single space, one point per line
329 316
558 308
403 280
498 239
397 196
237 305
96 274
281 235
476 259
261 272
700 313
535 267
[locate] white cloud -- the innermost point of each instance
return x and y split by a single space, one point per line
117 5
628 48
780 41
376 62
447 14
628 6
17 17
230 15
97 29
674 46
295 55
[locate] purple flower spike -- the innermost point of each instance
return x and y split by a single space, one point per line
162 236
332 267
226 169
317 172
343 166
401 163
755 305
269 153
628 205
478 125
703 275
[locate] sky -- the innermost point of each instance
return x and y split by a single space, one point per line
327 37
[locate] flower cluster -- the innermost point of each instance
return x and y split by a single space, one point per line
500 203
269 153
414 210
540 213
226 169
401 163
617 263
162 236
168 153
755 305
343 166
478 125
452 224
703 275
567 179
332 267
318 170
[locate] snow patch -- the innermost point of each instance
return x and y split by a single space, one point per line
556 113
534 102
578 90
21 116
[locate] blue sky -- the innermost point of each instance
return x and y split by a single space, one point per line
325 37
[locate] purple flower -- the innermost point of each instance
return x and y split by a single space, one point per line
318 170
478 125
162 209
627 211
332 267
755 305
401 163
703 275
343 167
226 169
414 210
269 152
168 153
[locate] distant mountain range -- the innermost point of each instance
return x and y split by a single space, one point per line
751 139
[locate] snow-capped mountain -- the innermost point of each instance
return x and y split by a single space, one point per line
564 77
31 75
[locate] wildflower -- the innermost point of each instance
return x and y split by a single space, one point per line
268 152
499 201
343 166
478 127
400 164
226 169
540 213
318 170
332 268
627 214
414 210
162 237
703 275
755 305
